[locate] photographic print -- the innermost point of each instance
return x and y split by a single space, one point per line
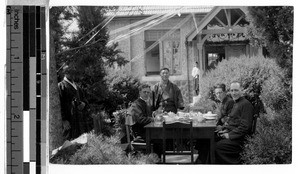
121 76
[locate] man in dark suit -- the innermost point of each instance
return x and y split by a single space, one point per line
235 129
141 111
74 107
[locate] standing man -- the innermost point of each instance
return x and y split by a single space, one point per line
141 112
167 96
196 76
74 107
236 128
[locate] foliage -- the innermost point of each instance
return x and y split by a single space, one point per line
263 82
272 144
104 150
102 122
123 89
126 87
276 93
63 156
251 72
57 15
273 27
119 117
86 51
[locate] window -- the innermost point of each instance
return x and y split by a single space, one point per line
163 53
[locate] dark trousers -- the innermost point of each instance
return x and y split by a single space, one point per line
203 147
228 151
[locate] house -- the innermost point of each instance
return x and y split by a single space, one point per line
152 37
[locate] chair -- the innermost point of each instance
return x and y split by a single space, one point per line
253 126
137 143
182 153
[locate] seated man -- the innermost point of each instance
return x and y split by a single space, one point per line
141 112
238 125
226 103
224 108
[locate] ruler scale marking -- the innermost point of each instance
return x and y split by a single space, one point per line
26 89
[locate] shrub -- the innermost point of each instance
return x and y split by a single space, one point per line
264 85
105 150
101 150
125 86
276 93
272 144
102 122
119 120
251 72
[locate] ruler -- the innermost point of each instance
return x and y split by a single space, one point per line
26 85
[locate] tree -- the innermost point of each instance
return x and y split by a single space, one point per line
87 53
55 126
272 27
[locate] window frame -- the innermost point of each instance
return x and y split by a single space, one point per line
161 51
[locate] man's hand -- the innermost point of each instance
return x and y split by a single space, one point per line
219 128
66 125
225 135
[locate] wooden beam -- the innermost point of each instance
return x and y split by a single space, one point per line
219 20
224 31
237 21
228 16
204 22
201 41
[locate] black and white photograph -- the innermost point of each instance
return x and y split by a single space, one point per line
179 86
127 73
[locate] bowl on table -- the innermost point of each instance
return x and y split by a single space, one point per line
210 116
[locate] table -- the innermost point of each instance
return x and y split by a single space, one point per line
202 130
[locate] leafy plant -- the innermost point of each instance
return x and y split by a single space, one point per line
273 27
264 86
251 72
105 150
101 150
272 144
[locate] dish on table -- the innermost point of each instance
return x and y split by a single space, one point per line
210 116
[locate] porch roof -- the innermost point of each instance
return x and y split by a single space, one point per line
126 11
210 16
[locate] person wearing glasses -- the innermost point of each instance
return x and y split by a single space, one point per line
232 136
224 108
226 103
167 96
141 111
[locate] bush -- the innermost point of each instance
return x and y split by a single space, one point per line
102 122
252 72
125 86
105 150
264 86
272 144
119 120
276 93
101 150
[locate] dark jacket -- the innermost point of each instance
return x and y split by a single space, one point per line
142 115
157 94
225 108
240 119
79 119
